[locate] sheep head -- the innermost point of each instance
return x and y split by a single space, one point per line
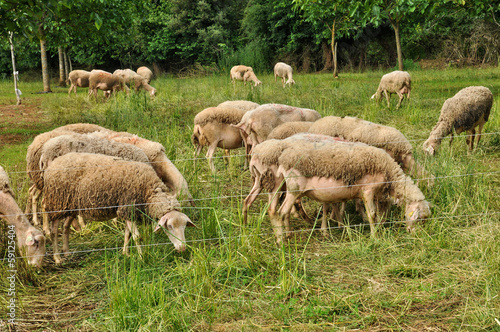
430 146
415 211
174 223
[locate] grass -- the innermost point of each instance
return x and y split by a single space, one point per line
233 277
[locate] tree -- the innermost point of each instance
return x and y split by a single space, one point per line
338 16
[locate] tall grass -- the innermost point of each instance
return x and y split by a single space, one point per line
443 277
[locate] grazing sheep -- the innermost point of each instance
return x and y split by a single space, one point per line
33 163
284 71
100 187
398 82
256 125
164 168
250 76
332 173
132 79
388 138
102 80
78 78
288 129
146 73
237 73
212 128
244 105
30 240
468 109
264 168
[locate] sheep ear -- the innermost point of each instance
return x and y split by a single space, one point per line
413 215
372 97
191 224
29 240
161 223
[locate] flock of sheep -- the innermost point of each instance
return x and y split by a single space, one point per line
245 74
89 172
110 83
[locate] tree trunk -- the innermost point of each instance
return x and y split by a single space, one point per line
334 52
327 56
15 74
45 65
62 80
395 25
65 59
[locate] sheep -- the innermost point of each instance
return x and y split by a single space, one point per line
288 129
264 166
243 73
131 78
30 240
101 187
398 82
212 128
256 125
332 173
284 71
388 138
78 78
250 76
146 73
155 152
468 109
244 105
102 80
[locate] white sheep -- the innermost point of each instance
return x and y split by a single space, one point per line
332 173
243 73
212 128
164 168
132 79
78 78
101 187
146 73
388 138
256 125
103 80
398 82
30 240
284 71
468 109
33 163
250 76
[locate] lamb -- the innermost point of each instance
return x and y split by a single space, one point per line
284 71
131 78
30 240
244 105
102 80
332 173
288 129
256 125
388 138
243 73
155 152
398 82
146 73
78 78
212 128
102 187
33 163
468 109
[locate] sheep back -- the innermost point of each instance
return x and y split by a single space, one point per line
225 115
245 105
288 129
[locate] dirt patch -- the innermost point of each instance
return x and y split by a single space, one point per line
17 120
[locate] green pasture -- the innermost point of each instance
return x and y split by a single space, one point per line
233 277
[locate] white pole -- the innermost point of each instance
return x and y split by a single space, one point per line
16 78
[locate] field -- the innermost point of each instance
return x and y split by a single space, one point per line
233 277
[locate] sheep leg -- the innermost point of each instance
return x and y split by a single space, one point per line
126 239
338 212
252 196
136 236
227 155
324 220
197 152
273 198
55 246
81 222
45 221
302 212
277 221
388 97
470 139
361 210
210 155
451 138
479 130
34 200
401 96
371 208
66 229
